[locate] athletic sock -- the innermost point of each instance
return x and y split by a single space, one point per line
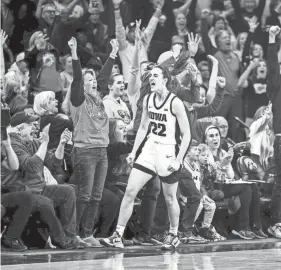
173 230
120 229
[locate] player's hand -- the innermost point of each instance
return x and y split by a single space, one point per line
174 166
131 158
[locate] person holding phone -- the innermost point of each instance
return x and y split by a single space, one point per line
248 193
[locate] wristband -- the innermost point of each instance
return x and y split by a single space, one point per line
116 8
113 55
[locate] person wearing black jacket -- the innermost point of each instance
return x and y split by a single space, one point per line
274 94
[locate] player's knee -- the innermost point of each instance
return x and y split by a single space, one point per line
130 194
171 199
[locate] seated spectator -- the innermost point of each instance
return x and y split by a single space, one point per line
261 139
248 193
45 106
32 155
208 172
44 67
113 104
67 73
189 190
192 166
25 203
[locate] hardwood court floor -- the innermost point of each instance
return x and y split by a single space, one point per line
265 255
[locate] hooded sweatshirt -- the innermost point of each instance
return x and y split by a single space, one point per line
15 77
116 108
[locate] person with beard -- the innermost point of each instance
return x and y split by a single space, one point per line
90 137
254 81
46 14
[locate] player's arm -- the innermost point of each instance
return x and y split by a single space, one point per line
142 131
179 111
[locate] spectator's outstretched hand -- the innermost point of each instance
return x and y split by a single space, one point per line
213 59
65 136
221 82
116 3
3 37
205 13
72 43
138 34
274 31
115 46
40 42
253 24
45 134
193 43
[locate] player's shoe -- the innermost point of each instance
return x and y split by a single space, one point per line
113 241
170 242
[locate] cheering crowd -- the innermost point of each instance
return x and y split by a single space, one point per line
153 122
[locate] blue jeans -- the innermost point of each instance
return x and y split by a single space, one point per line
276 194
89 173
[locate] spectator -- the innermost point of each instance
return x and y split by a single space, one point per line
43 62
248 193
67 73
229 68
126 37
17 75
32 155
204 69
113 104
240 44
90 138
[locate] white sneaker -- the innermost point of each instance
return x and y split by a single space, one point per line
113 241
275 230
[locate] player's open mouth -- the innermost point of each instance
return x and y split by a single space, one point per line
152 84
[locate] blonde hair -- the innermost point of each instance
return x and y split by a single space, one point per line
41 102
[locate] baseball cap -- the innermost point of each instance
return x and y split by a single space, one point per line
20 57
22 117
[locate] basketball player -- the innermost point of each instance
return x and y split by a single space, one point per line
162 111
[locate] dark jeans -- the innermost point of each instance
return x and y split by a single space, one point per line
108 211
276 194
189 190
250 204
63 197
23 202
233 107
89 173
148 205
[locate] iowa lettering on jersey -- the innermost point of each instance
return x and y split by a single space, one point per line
158 129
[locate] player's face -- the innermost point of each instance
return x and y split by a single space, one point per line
156 80
193 153
213 138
